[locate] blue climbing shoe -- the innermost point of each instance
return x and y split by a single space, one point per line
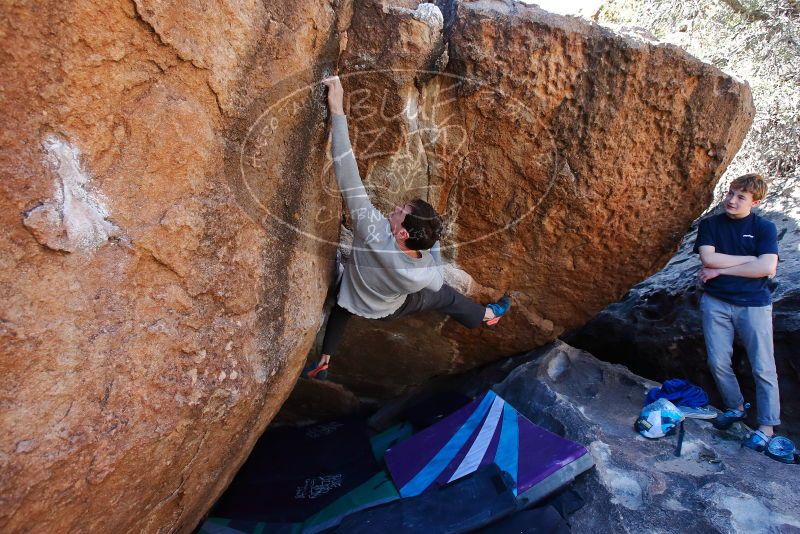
724 420
758 441
499 309
783 450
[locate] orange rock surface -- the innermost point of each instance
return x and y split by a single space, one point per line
568 160
152 321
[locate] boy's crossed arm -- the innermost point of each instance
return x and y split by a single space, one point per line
717 260
715 264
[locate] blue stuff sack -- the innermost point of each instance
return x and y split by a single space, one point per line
680 392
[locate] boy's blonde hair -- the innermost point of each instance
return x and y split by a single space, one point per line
751 183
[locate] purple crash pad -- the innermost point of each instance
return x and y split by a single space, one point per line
487 430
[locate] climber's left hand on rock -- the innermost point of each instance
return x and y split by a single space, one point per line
335 94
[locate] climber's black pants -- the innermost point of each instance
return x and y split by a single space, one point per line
335 330
446 300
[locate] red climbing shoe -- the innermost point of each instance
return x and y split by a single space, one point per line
316 370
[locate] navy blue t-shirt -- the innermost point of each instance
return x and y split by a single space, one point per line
749 236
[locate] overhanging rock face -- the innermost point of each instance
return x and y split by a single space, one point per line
169 214
568 160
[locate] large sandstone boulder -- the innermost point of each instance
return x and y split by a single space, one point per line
656 329
568 161
150 325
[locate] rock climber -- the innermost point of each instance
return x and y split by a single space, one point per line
395 267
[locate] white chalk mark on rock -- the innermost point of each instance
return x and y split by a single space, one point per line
747 514
75 218
430 14
625 489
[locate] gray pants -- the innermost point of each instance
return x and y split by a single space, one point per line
753 324
446 300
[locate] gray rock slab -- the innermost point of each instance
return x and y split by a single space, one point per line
639 485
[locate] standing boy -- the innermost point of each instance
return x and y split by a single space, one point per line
739 251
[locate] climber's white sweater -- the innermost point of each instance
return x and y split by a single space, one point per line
378 275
